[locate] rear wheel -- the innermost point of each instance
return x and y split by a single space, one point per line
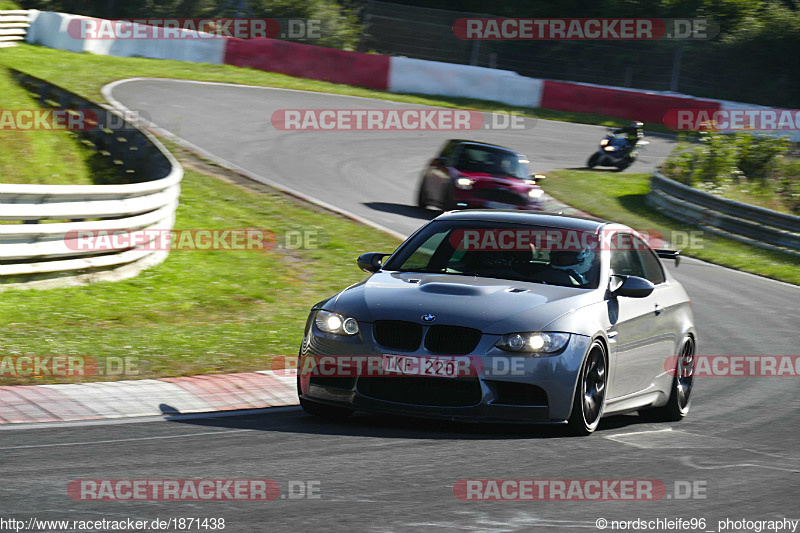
590 392
624 163
680 400
593 160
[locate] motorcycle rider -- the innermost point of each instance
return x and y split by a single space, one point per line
634 132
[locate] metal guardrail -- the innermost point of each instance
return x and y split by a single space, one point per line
14 25
747 223
37 221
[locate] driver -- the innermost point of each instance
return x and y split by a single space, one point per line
576 263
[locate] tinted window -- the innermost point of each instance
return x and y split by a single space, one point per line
626 263
473 158
448 150
440 248
652 267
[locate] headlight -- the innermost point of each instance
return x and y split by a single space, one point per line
464 183
604 142
336 323
609 148
535 193
533 342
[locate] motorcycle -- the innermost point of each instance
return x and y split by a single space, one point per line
615 151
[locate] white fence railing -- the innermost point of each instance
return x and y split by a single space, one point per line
39 223
743 222
14 25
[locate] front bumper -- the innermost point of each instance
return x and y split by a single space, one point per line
508 388
485 198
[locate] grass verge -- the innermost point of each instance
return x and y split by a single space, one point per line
200 312
86 74
620 197
41 157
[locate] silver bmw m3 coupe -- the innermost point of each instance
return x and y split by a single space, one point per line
502 316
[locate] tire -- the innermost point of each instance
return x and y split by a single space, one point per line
590 392
321 410
422 197
449 203
680 398
625 163
592 162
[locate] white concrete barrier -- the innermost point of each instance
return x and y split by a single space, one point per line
431 77
53 30
49 253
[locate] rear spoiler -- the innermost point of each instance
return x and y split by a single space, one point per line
670 254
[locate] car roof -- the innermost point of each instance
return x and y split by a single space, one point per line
487 145
550 220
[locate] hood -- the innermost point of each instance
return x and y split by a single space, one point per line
492 305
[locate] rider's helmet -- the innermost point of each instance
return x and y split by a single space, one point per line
577 261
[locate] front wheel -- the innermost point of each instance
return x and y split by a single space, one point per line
680 400
422 197
593 160
449 202
590 392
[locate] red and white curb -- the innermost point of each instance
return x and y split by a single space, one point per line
146 397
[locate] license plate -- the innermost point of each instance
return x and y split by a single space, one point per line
420 366
497 205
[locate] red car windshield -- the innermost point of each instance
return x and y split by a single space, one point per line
494 161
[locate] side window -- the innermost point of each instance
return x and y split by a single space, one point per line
422 255
652 267
626 263
448 150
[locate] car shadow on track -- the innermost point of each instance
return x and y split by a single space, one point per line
412 211
391 426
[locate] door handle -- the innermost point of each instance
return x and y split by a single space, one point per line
658 309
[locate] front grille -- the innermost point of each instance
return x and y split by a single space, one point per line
500 195
452 340
397 334
439 392
334 382
510 393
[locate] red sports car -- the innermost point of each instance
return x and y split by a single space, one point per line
474 174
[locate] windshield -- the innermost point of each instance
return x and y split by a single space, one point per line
503 251
490 160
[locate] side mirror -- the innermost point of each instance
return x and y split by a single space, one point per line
439 162
632 287
370 262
